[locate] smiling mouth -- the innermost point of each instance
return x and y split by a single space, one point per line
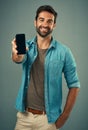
44 29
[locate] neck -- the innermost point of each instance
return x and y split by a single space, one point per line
43 43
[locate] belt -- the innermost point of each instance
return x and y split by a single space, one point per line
33 111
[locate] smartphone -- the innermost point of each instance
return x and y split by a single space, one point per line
20 41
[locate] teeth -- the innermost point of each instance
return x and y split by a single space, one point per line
44 29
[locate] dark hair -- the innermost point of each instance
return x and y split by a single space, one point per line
47 8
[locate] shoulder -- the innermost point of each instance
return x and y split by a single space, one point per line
61 47
63 50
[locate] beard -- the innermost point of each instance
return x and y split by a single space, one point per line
43 31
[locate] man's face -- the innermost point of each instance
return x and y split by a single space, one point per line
45 24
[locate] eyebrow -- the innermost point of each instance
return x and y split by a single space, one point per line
41 18
44 18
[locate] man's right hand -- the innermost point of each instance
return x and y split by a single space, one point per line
14 46
15 56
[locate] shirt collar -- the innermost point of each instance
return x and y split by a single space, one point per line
52 44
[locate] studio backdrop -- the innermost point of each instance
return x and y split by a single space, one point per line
17 16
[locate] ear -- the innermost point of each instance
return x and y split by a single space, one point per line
35 23
54 25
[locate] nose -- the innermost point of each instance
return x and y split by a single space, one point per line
45 23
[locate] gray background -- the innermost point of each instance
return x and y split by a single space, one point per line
17 16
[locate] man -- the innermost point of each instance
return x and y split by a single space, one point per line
40 96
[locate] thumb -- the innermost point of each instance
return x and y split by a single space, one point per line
27 48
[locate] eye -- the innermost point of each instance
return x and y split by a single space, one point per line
41 19
50 21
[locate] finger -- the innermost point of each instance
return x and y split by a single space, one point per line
27 48
14 43
14 50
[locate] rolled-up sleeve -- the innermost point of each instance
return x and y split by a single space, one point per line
70 70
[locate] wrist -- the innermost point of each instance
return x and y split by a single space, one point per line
61 120
17 58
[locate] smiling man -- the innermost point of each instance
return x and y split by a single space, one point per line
44 24
40 96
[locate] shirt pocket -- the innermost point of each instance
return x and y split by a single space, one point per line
55 67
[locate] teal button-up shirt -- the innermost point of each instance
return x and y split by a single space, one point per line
58 60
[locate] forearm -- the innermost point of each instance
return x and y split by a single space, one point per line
71 98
